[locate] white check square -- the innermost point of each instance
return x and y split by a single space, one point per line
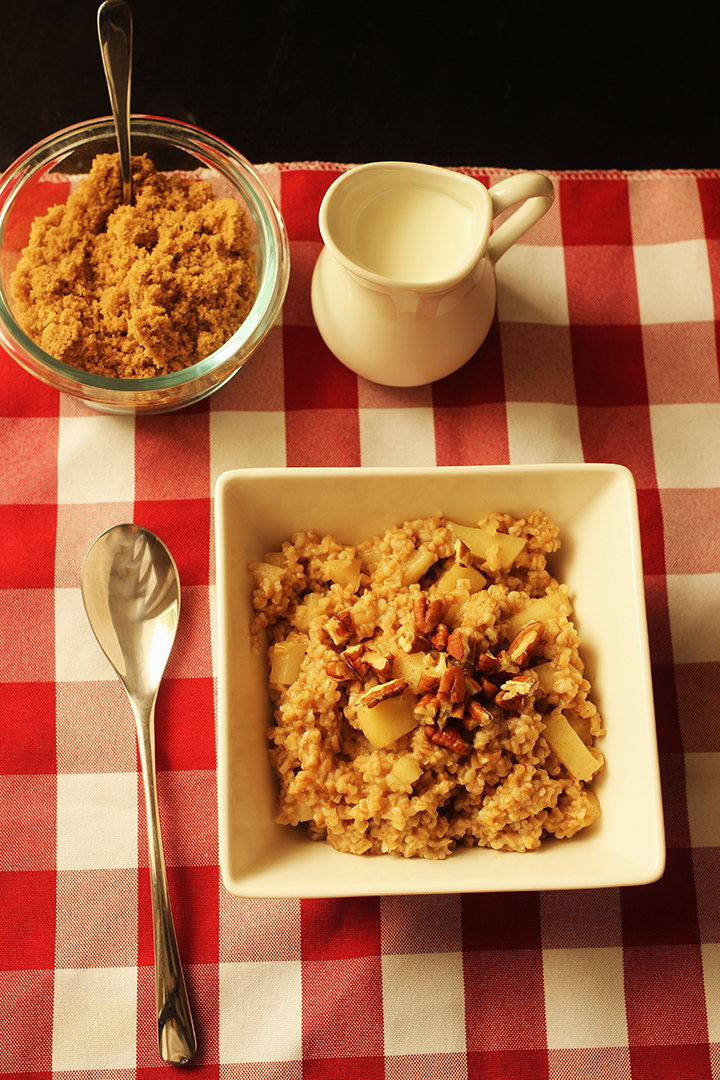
94 1019
246 440
438 1016
702 788
397 437
673 282
531 285
107 475
97 820
539 431
693 601
683 437
261 1011
594 1013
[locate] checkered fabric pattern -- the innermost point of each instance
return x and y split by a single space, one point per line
604 348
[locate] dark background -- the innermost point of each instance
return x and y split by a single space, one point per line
570 86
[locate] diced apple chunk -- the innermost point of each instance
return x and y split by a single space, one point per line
418 564
344 573
409 666
388 721
480 541
449 580
406 770
287 658
541 610
569 747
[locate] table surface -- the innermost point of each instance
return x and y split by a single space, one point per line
604 348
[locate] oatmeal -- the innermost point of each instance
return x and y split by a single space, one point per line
141 290
428 690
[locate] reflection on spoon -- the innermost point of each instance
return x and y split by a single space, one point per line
131 592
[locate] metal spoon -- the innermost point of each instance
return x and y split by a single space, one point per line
114 21
131 592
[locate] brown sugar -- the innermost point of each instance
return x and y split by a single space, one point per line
140 290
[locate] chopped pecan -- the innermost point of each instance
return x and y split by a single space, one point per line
379 693
449 737
452 685
486 663
427 707
440 637
478 712
525 642
380 664
338 669
428 681
457 645
463 555
355 656
489 689
514 691
340 627
427 615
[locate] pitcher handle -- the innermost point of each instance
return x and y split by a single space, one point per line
532 189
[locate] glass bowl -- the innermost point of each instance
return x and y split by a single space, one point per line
28 188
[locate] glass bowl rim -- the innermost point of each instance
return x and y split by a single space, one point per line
208 150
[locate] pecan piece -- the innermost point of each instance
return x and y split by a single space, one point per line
440 637
463 555
449 737
380 664
486 663
427 707
427 682
338 669
478 712
525 642
457 645
514 691
452 685
427 615
340 627
379 693
355 656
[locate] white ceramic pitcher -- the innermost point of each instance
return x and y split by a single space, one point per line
403 292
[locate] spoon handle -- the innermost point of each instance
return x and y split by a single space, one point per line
176 1032
114 21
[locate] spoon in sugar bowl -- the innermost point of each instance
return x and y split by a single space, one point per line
115 29
131 592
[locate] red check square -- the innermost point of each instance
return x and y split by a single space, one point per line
26 1040
302 192
314 378
596 213
184 525
340 929
608 365
28 565
26 898
27 732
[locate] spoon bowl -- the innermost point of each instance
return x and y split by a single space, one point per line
131 592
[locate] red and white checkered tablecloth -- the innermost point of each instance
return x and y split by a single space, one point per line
604 348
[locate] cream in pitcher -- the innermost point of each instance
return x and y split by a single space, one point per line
403 292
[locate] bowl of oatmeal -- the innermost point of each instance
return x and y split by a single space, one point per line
145 308
433 680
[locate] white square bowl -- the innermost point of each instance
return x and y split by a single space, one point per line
600 559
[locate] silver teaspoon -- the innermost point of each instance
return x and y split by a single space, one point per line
114 21
131 592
